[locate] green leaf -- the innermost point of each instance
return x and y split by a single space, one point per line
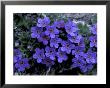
84 29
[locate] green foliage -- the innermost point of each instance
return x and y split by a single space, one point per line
94 19
84 29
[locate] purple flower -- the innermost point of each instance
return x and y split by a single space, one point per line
86 67
36 31
22 64
93 41
71 28
48 62
51 30
78 62
17 55
50 52
61 56
39 55
43 22
60 24
93 29
78 51
91 57
67 46
43 38
81 43
16 58
54 42
81 63
74 39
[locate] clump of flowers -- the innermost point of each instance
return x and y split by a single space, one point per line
60 42
20 63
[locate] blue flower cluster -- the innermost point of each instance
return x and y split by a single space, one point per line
51 46
20 63
62 39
